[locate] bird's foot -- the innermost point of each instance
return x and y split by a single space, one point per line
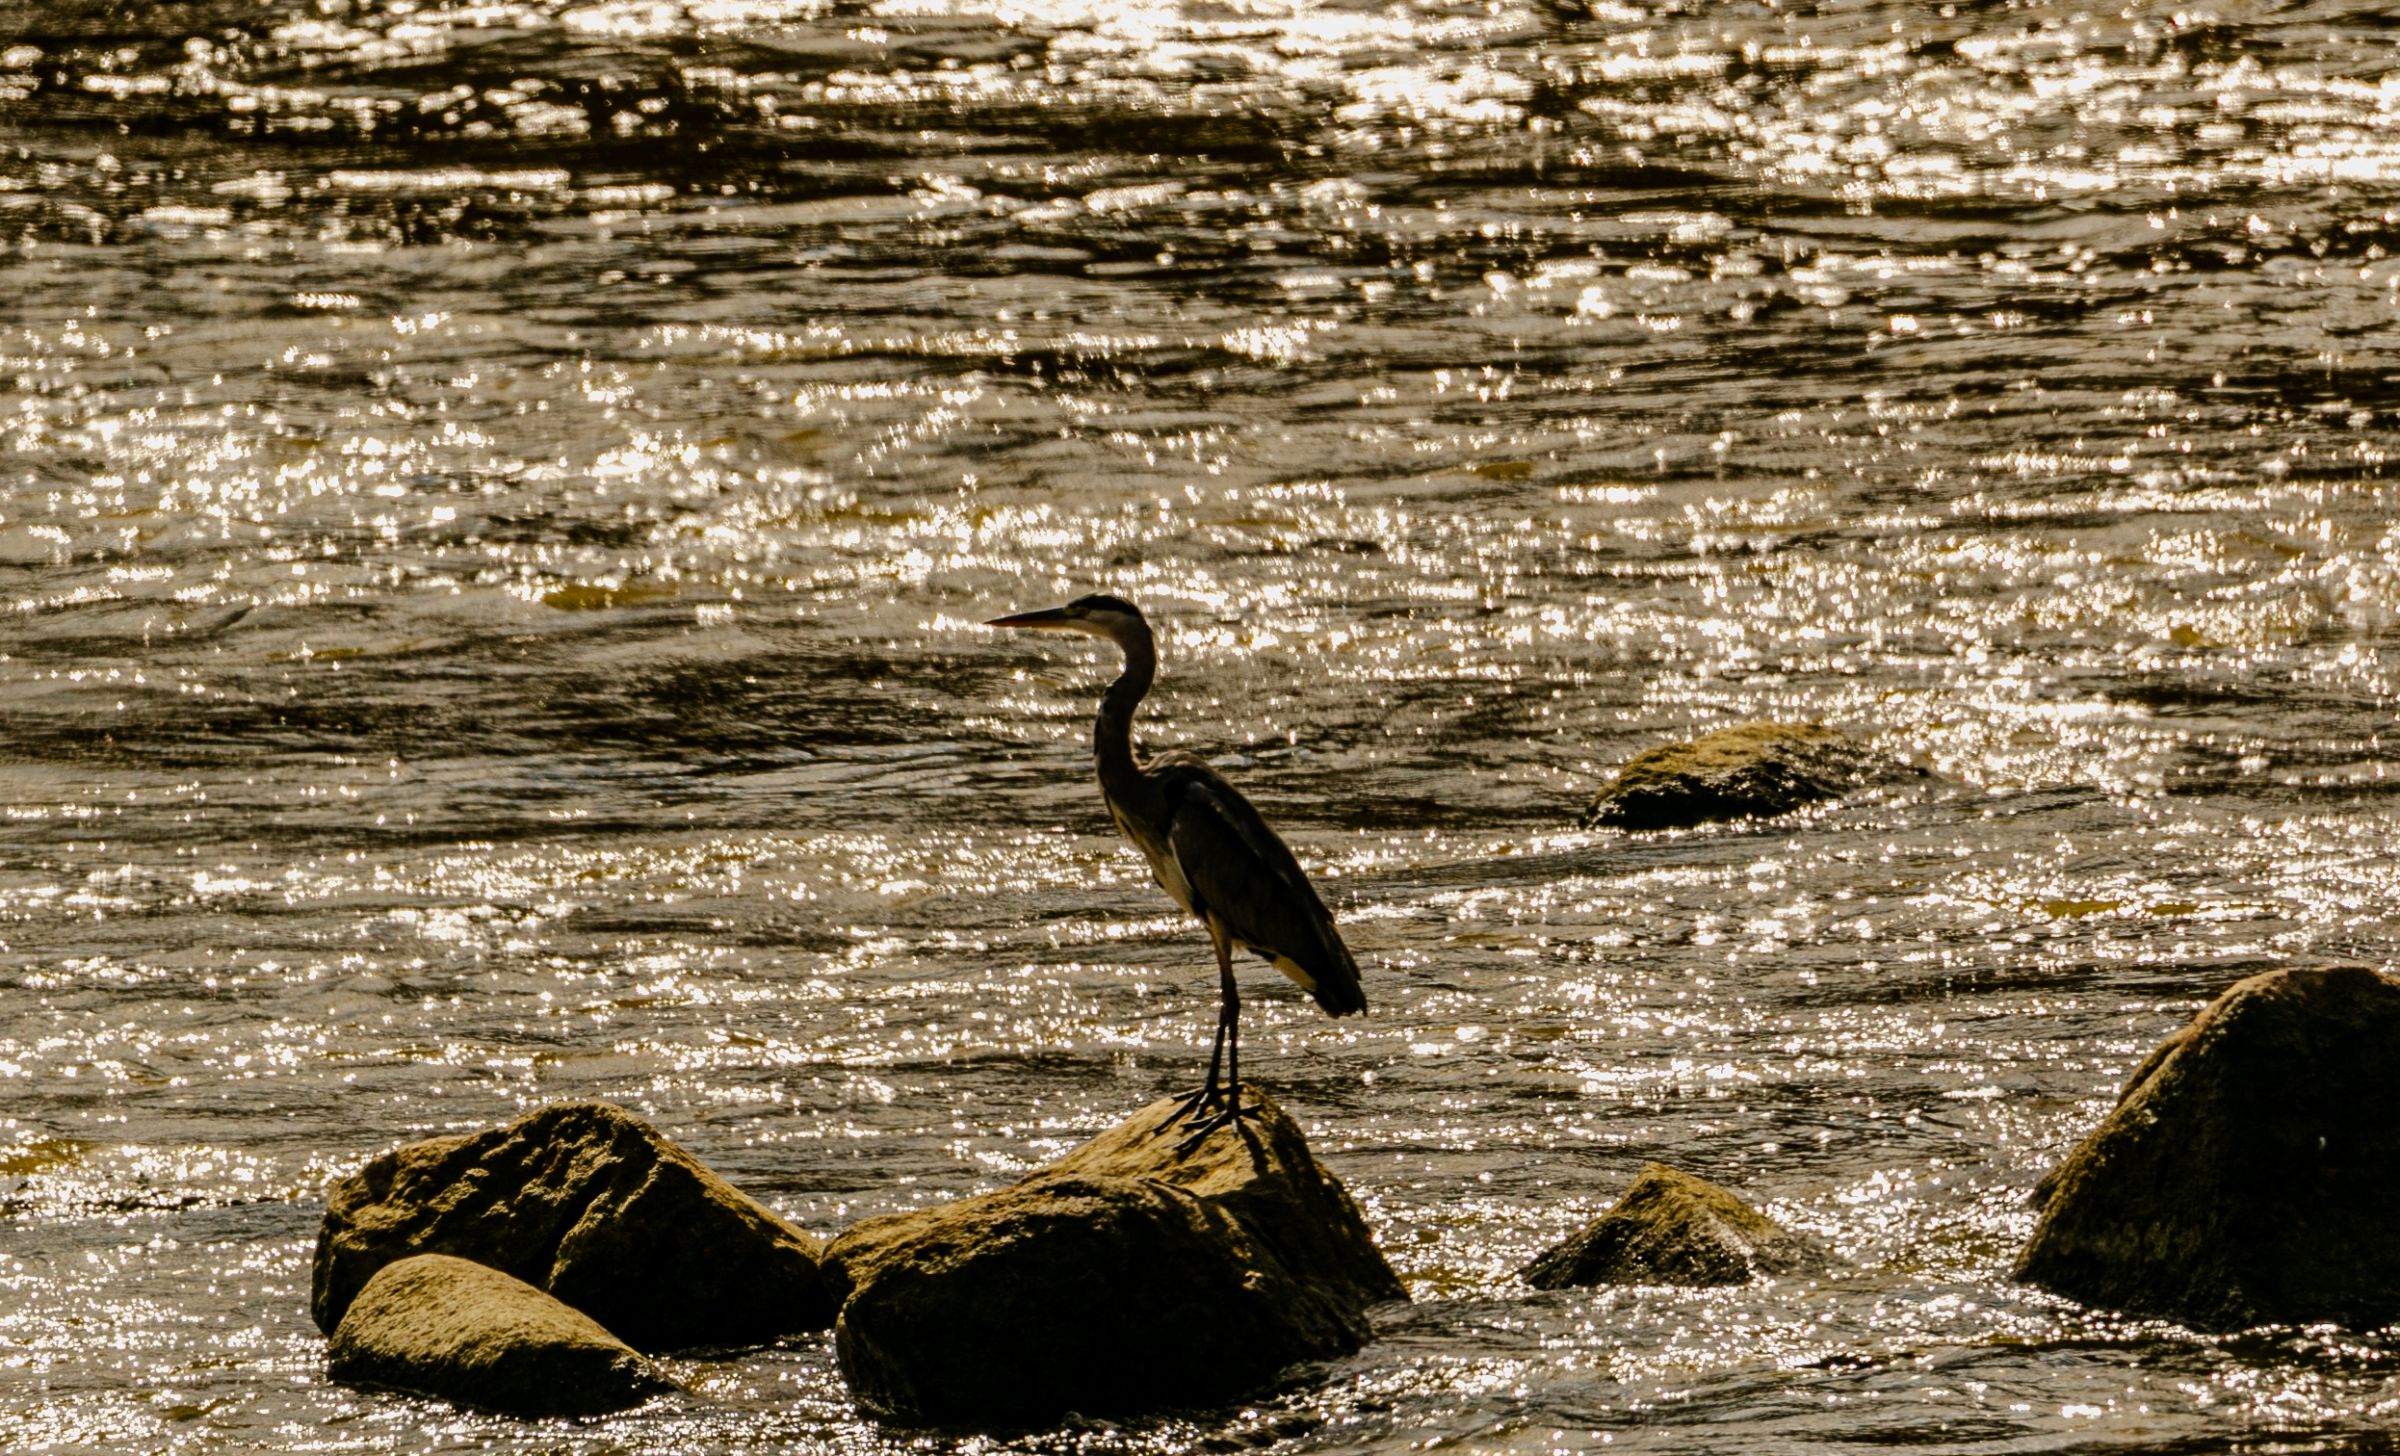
1190 1107
1233 1115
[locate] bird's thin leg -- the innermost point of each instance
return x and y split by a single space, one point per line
1231 995
1231 1027
1191 1104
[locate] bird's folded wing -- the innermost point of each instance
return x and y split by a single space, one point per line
1243 874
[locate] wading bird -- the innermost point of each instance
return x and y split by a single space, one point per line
1210 850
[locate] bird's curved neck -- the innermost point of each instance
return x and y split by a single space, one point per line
1112 738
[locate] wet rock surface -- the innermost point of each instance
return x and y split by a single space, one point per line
454 1329
592 1204
1126 1278
1673 1228
2250 1172
1752 770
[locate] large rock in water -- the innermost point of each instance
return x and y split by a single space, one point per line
1125 1278
2251 1170
1673 1228
592 1204
1754 770
454 1329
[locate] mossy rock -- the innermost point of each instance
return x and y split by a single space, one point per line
595 1206
1751 771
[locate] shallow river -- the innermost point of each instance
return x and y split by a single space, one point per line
495 501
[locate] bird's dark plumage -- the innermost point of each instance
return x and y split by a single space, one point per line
1103 602
1243 874
1207 846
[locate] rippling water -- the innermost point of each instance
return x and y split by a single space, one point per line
497 497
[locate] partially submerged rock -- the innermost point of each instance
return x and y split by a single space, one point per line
456 1330
1673 1228
2251 1170
589 1202
1126 1278
1754 770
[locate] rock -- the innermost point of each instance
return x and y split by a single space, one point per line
1755 770
2250 1172
454 1329
1123 1279
588 1202
1673 1228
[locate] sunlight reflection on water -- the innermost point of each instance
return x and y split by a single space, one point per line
500 498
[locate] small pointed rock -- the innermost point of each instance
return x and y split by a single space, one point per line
1673 1228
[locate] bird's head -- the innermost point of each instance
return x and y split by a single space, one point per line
1098 615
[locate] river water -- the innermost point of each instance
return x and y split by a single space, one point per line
498 496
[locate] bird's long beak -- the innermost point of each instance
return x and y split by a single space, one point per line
1055 620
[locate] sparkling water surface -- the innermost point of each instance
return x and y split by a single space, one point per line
496 502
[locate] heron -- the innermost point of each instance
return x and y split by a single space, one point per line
1211 851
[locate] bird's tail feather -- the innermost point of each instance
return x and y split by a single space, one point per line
1340 995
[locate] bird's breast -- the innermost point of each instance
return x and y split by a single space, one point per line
1163 867
1170 877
